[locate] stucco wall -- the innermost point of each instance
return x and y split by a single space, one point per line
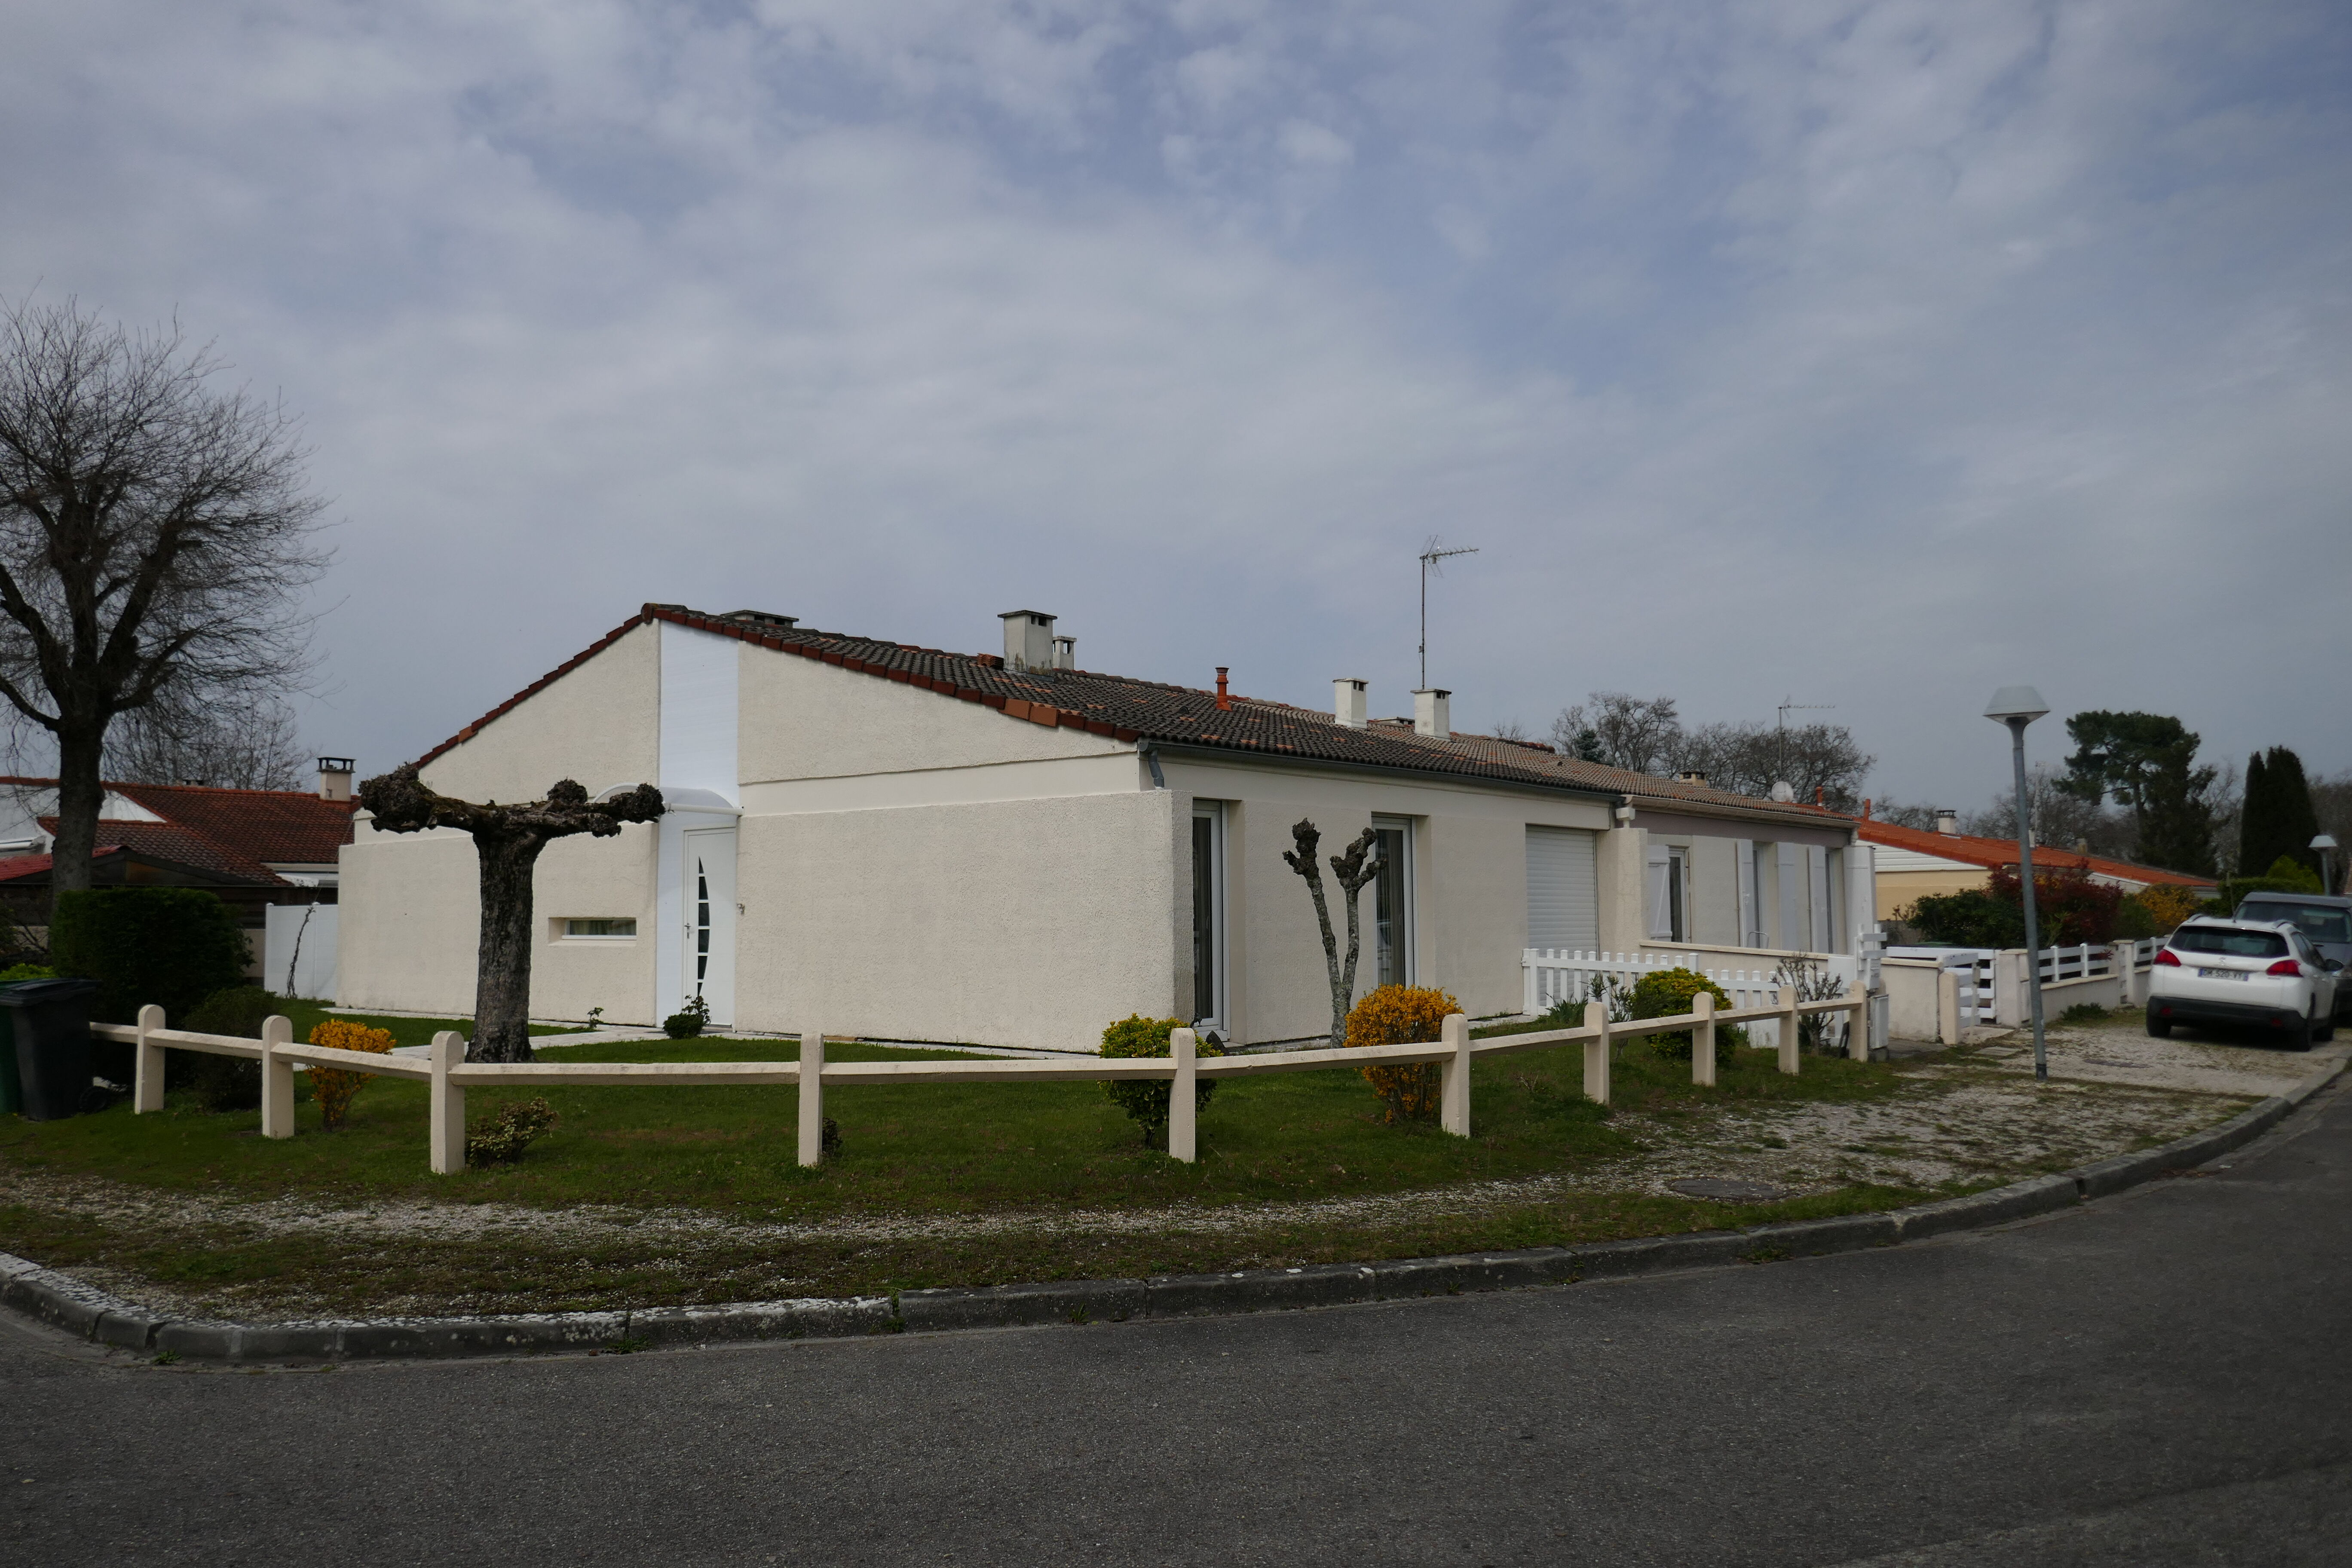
1023 923
806 719
1470 847
411 924
600 724
1898 889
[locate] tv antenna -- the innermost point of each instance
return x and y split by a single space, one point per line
1431 554
1780 745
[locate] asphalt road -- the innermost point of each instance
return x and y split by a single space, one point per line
2160 1378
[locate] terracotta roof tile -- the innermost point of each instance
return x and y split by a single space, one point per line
1997 852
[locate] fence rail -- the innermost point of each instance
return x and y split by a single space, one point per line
1977 975
450 1076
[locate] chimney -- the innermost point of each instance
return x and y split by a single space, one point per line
1065 653
1947 822
334 778
1865 808
1348 701
1691 778
1028 640
1224 700
1433 712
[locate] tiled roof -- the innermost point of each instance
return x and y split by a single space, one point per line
233 832
1125 709
1997 852
16 866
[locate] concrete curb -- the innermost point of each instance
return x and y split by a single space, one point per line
62 1301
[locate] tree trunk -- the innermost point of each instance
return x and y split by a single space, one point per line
1347 982
80 793
503 979
1330 964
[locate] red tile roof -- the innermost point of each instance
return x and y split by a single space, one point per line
236 834
1125 709
1996 852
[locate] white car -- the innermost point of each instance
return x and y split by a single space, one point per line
2262 974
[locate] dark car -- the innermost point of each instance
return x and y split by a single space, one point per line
2324 918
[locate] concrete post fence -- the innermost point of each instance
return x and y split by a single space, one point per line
448 1075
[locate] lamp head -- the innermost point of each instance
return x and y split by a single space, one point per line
2016 705
2325 841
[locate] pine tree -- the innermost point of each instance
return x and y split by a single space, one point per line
2256 820
2287 822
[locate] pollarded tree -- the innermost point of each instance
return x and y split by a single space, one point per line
1358 866
506 839
155 537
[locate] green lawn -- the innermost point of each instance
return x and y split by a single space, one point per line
936 1148
308 1016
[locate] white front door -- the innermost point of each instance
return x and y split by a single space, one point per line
707 904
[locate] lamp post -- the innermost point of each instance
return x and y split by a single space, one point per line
2325 845
2017 706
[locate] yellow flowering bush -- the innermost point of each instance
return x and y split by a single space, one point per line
2169 904
333 1088
1398 1016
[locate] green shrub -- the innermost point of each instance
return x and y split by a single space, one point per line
512 1128
224 1083
26 971
1666 993
1970 918
2082 1013
1146 1099
171 946
2134 922
687 1022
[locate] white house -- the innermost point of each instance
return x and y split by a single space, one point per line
874 837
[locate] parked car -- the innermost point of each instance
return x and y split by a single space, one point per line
2254 973
2325 920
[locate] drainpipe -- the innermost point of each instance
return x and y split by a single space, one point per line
1151 760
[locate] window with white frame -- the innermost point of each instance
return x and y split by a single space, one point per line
597 928
1209 914
1392 903
1669 892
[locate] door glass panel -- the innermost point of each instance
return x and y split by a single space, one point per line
1392 910
701 924
1205 917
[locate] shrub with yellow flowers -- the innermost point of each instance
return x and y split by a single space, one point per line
1398 1016
333 1088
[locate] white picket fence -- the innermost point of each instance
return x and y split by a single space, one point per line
1551 975
449 1075
1974 970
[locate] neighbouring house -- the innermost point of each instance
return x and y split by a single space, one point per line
271 855
1913 862
869 836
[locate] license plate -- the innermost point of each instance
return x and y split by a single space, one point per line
2220 975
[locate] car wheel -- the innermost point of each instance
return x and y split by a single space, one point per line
2324 1032
2160 1028
2305 1033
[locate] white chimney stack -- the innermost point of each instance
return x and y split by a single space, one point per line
334 778
1947 822
1433 712
1347 702
1028 640
1065 653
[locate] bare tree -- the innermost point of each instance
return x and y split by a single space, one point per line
1621 731
2060 820
506 841
1358 866
227 745
1751 758
153 533
1896 813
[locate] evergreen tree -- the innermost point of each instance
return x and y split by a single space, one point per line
2281 820
2147 761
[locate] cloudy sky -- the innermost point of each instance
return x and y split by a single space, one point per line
1866 354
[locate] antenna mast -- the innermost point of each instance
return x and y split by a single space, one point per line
1431 554
1780 745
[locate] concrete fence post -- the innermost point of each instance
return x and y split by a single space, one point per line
448 1108
1596 1052
277 1078
811 1093
1454 1100
1183 1095
1857 1025
1703 1040
1790 1035
147 1069
1947 1006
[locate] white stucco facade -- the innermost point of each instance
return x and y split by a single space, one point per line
863 854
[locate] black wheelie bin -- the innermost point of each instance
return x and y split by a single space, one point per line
50 1020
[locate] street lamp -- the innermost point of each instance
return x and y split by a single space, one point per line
2325 845
2017 706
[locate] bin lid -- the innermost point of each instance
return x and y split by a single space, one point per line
32 992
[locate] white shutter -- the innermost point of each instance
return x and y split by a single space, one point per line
1790 935
1658 893
1563 890
1817 880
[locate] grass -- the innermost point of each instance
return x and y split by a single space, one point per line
939 1154
923 1148
308 1016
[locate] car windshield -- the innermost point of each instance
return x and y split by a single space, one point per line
2317 922
2231 942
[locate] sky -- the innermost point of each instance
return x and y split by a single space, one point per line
1871 355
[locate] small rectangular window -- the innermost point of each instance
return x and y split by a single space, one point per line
608 929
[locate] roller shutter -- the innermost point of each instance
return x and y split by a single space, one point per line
1563 891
